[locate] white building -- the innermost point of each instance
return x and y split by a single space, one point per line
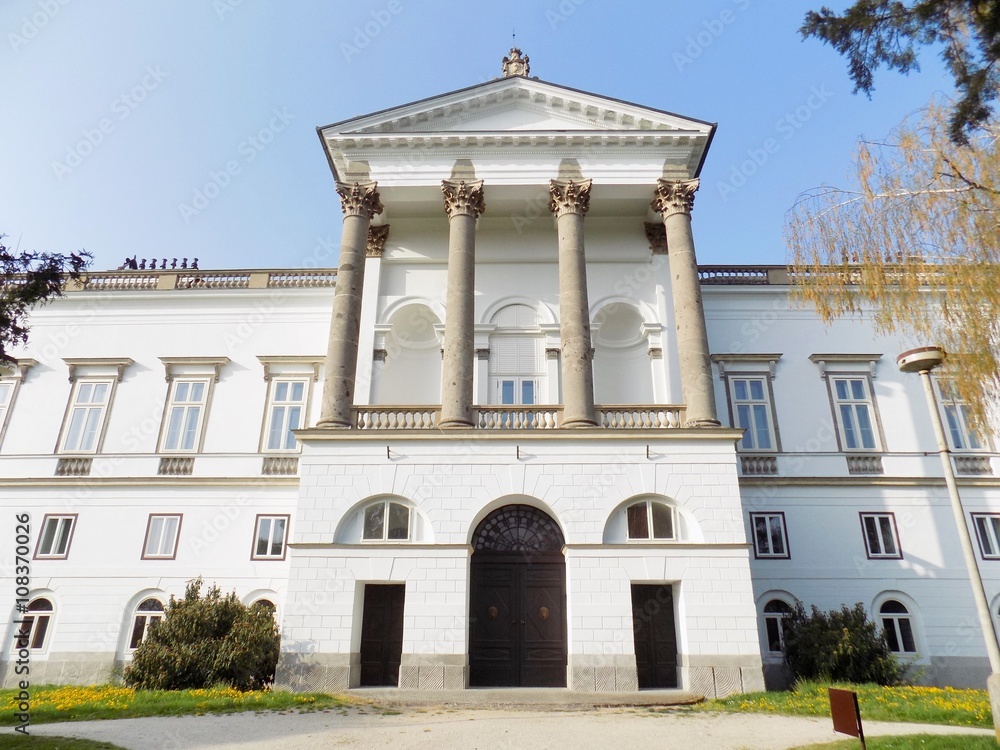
508 467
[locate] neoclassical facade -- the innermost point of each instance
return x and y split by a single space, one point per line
519 437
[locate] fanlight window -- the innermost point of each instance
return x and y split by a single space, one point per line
386 521
147 616
650 521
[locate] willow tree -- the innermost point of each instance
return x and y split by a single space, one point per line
915 245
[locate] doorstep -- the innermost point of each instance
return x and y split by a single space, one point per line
522 698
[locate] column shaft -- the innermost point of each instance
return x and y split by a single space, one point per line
570 201
360 202
674 201
464 203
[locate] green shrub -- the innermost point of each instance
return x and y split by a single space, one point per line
204 641
841 646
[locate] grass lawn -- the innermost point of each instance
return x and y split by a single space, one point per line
35 742
923 705
912 742
50 703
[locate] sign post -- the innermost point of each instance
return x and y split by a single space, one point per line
846 714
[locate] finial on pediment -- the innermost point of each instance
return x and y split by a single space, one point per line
516 64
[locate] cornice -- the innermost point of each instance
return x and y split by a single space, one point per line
865 481
451 435
119 364
157 481
214 364
303 361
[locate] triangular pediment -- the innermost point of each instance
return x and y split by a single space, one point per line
516 104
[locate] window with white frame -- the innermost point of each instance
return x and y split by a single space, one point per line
162 531
776 614
854 410
285 412
648 520
961 436
897 627
517 357
57 533
769 536
386 521
881 537
185 415
269 538
988 532
33 630
147 616
752 412
86 415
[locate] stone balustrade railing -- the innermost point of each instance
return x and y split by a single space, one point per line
505 417
133 281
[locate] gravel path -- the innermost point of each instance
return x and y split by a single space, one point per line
469 729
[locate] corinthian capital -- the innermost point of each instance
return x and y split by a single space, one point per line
376 240
359 199
461 197
674 197
569 196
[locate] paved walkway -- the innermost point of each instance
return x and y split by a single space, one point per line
464 728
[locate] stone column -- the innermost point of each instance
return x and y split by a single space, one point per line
569 201
360 203
463 201
364 386
674 201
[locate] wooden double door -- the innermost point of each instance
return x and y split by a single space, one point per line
517 620
655 635
382 634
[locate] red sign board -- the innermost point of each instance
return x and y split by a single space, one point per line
846 713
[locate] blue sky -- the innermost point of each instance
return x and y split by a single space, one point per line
118 112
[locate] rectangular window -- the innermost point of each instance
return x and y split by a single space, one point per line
517 391
752 412
86 415
184 415
881 538
55 538
988 532
961 436
769 538
285 412
269 538
855 413
161 537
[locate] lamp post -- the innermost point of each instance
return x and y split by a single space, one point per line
922 361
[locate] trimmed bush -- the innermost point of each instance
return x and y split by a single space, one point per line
207 640
840 646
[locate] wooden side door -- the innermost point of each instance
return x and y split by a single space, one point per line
543 646
493 621
655 635
382 634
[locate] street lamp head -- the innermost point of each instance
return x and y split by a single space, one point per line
924 359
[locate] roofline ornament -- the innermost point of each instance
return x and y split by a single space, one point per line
515 64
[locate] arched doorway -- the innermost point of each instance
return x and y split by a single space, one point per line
518 601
